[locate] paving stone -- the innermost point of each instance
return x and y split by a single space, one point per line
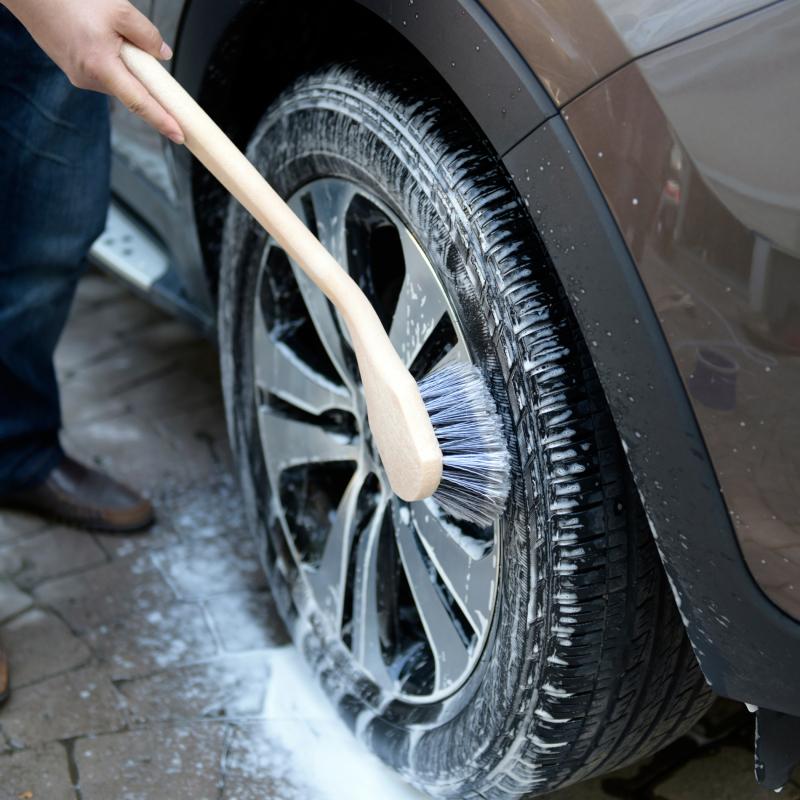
174 393
200 435
82 404
213 566
141 644
79 703
126 446
98 288
258 768
39 645
117 317
40 774
128 586
229 687
160 762
204 510
55 552
12 600
723 775
161 534
588 790
120 373
174 335
246 621
185 511
288 759
73 355
16 525
119 444
100 332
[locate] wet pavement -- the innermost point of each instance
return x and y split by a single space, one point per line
154 666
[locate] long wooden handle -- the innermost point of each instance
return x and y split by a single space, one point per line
400 424
235 172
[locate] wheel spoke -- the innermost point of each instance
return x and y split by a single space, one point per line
330 328
291 442
324 318
457 353
464 566
330 200
450 653
366 642
420 304
282 373
329 579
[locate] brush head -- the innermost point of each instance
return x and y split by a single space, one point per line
475 476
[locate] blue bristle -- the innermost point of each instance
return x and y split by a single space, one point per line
475 479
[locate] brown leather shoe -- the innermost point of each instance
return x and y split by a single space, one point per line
84 497
3 678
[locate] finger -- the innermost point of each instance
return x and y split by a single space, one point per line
135 27
137 99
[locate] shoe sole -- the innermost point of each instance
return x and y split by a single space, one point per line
85 525
100 527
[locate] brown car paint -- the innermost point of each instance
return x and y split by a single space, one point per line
571 44
696 150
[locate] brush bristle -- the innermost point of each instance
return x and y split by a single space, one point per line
475 478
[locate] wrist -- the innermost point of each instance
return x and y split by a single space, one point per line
21 9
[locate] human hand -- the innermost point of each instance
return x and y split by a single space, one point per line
84 38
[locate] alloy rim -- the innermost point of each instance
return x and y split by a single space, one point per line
409 591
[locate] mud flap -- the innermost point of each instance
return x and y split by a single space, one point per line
777 747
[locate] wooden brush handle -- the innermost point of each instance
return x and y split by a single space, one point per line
400 424
235 172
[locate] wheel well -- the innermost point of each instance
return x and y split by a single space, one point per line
264 48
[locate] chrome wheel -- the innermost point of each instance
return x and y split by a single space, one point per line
408 590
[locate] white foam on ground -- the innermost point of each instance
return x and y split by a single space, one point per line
325 756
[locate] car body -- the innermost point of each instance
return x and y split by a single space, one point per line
654 145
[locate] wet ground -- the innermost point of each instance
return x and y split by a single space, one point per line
154 666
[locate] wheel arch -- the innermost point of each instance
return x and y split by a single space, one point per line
455 37
236 57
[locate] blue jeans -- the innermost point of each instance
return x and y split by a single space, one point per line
54 193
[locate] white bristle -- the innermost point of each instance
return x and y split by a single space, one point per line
475 478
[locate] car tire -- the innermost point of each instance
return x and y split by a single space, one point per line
584 664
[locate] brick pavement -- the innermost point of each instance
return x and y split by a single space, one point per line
154 666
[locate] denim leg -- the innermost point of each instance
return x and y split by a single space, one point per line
54 192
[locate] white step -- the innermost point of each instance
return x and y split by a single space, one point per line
128 250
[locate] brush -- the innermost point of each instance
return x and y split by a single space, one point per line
442 438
